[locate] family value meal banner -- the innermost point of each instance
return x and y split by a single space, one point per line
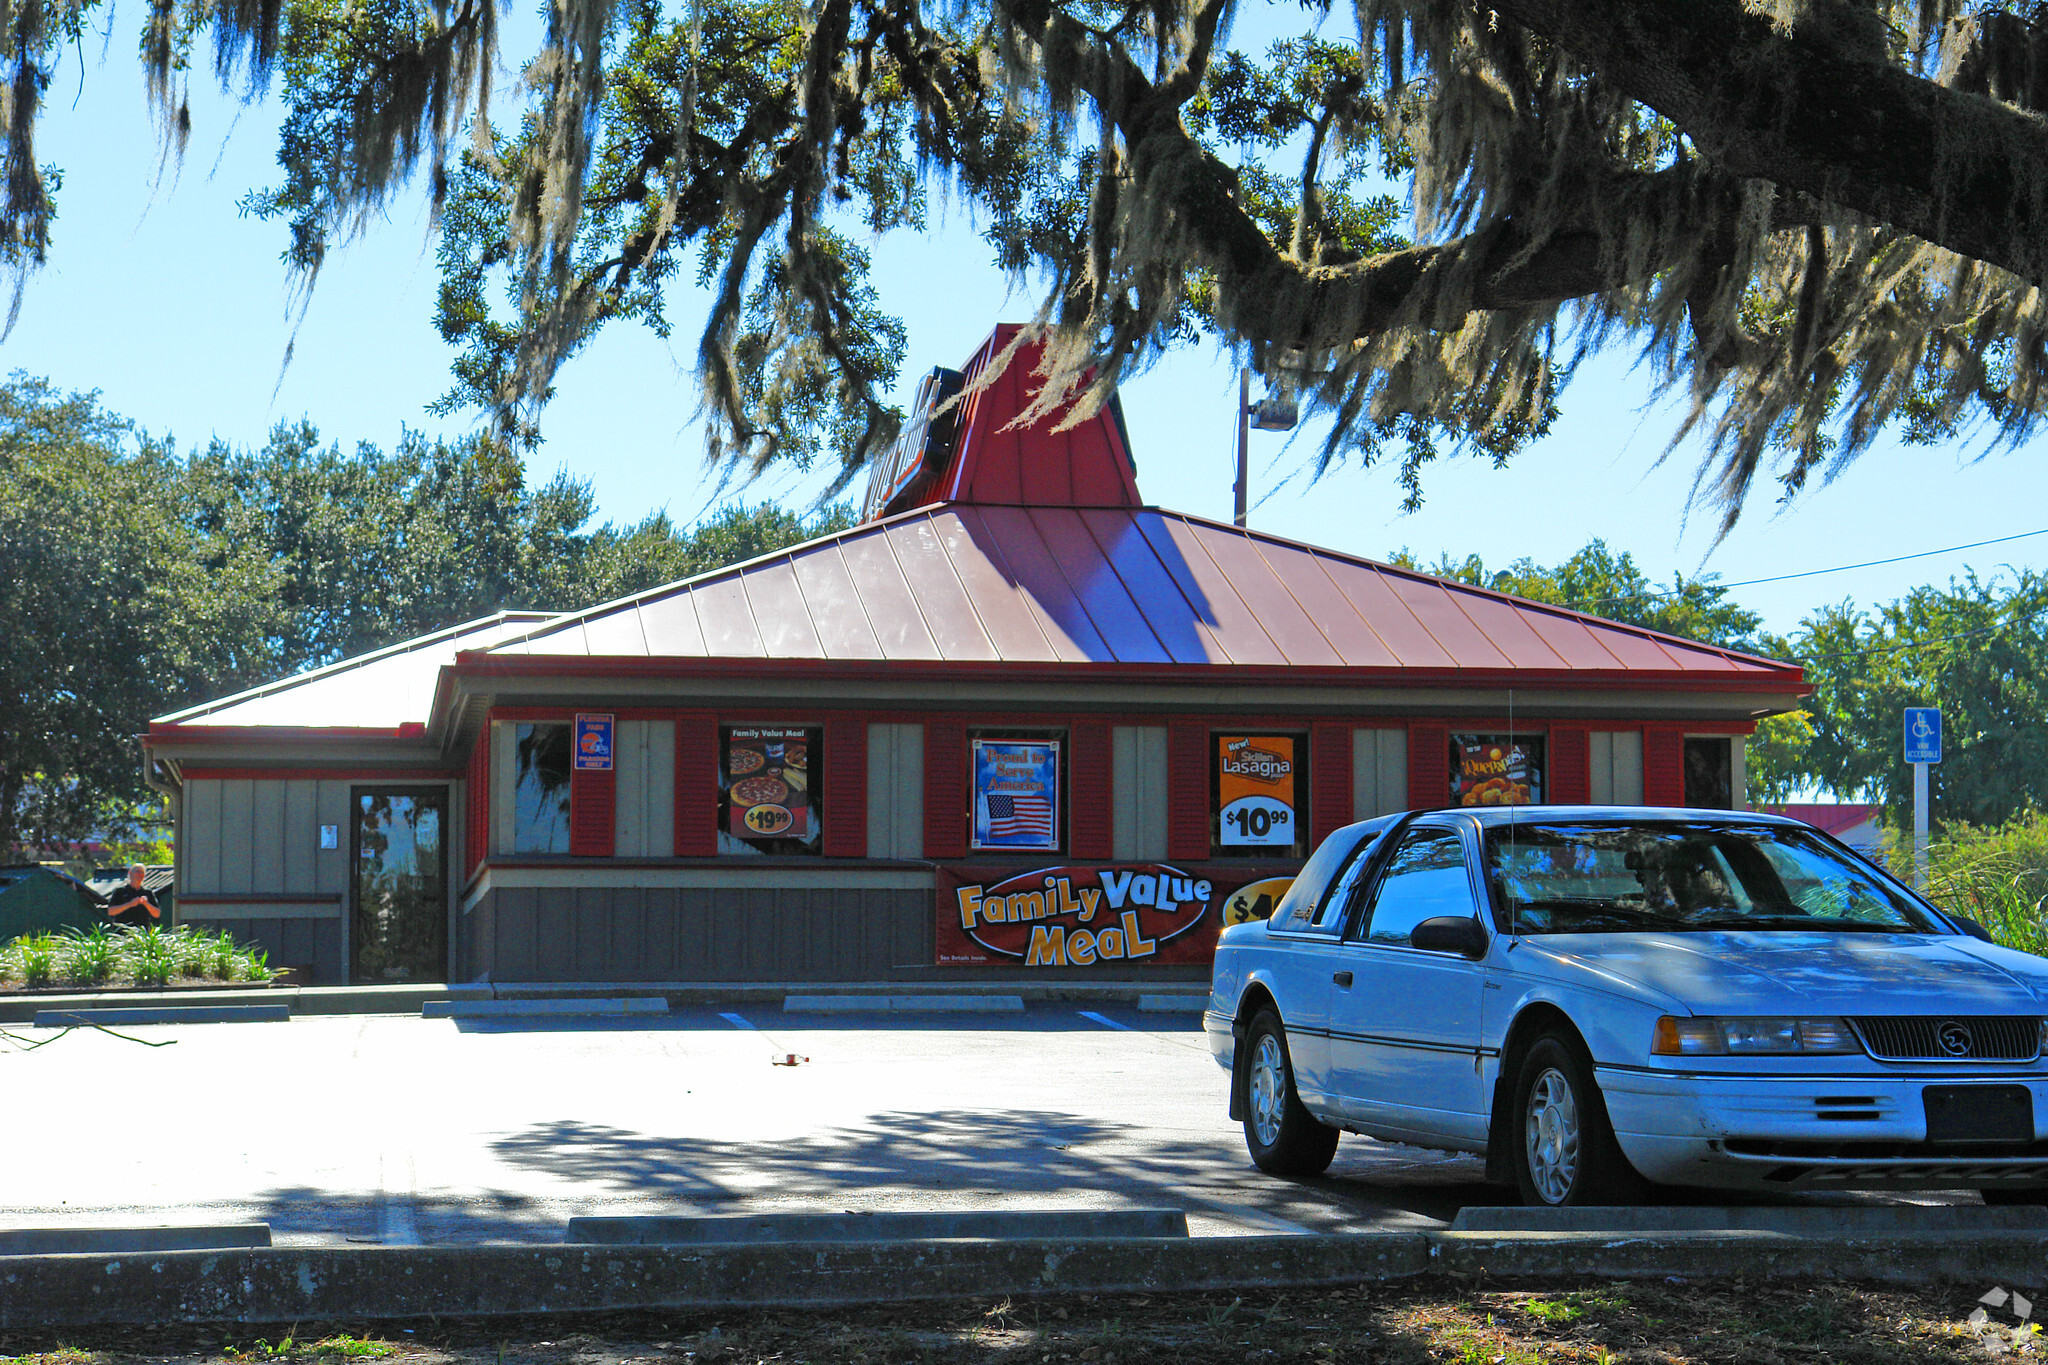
1092 916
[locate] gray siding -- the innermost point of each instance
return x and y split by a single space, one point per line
1617 767
261 837
644 825
1138 793
895 791
1379 772
315 943
696 933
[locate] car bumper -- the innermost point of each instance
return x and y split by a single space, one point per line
1811 1131
1221 1031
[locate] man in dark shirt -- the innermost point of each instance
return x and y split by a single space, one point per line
131 905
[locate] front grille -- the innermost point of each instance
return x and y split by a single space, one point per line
1950 1038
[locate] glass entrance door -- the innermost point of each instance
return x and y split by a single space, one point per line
400 925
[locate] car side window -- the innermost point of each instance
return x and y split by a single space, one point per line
1337 904
1426 877
1299 905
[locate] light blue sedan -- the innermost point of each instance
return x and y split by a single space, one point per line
1598 999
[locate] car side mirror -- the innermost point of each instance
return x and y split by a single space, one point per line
1972 928
1459 934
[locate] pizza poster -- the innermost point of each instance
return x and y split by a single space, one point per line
1492 770
1255 791
1016 795
767 783
1094 916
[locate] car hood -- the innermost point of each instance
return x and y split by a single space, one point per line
1814 973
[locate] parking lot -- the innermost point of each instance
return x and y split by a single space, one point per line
398 1130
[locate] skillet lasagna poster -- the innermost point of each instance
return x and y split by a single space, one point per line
1090 916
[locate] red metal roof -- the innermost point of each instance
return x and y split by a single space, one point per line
998 461
1832 817
980 584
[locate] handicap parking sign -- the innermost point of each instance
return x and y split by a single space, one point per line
1923 734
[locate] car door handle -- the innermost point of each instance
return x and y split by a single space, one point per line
1343 979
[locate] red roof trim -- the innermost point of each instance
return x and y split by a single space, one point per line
487 665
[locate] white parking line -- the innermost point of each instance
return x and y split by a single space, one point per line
1107 1022
396 1225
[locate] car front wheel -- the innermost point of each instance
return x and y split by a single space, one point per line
1565 1152
1284 1138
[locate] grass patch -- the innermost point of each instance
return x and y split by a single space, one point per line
119 956
1431 1322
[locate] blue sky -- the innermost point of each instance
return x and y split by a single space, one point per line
159 294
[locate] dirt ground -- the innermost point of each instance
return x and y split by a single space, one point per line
1603 1322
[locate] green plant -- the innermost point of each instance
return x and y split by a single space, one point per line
1995 874
38 960
150 959
86 957
354 1347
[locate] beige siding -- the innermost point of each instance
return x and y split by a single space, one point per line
1617 764
1738 757
895 791
1379 772
199 854
504 779
1138 793
645 820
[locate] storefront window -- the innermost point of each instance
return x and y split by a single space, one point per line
1015 782
1496 770
540 793
1259 796
768 794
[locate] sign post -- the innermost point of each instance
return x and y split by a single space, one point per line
1923 747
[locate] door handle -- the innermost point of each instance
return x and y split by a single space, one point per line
1343 979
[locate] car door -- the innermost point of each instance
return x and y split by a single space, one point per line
1404 1027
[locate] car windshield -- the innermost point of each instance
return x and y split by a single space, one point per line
1603 877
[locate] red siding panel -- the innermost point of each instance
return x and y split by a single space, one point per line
1088 808
1329 775
945 789
846 787
1429 767
1571 765
1663 766
1187 791
593 811
696 784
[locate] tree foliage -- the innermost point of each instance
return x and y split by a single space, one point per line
135 582
1815 218
1978 649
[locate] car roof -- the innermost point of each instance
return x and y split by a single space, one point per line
1501 815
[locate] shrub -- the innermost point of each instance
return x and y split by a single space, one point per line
1995 874
86 958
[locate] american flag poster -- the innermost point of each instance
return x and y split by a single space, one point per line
1016 794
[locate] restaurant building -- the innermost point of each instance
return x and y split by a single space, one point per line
1014 724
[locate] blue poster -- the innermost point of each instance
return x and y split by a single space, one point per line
1016 794
594 742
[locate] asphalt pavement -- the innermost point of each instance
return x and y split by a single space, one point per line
403 1131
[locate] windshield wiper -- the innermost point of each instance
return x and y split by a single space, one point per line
1591 908
1828 923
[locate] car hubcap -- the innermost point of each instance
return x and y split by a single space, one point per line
1269 1089
1553 1136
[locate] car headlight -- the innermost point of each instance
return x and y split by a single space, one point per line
1692 1037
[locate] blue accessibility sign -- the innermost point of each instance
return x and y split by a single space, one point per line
1923 734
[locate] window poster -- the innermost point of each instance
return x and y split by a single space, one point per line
766 779
593 742
1016 794
1256 791
1496 770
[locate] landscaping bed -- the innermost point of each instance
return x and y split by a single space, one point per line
117 958
1432 1321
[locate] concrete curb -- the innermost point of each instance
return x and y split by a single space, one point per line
888 1226
165 1014
545 1008
899 1004
382 1284
110 1241
337 1000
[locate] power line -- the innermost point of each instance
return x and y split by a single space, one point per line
1922 644
1812 573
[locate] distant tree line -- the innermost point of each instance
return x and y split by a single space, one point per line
135 580
1977 648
